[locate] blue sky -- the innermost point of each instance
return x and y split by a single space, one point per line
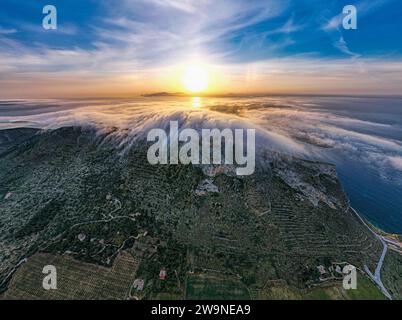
135 45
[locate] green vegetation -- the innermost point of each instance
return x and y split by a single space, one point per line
75 193
75 280
391 273
208 287
366 290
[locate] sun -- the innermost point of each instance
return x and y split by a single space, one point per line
195 79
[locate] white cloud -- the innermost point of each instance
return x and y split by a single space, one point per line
396 162
289 125
5 31
128 46
342 46
363 9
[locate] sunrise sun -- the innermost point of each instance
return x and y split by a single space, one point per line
195 79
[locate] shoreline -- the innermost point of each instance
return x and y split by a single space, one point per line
376 277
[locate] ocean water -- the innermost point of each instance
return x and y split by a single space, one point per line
362 136
371 170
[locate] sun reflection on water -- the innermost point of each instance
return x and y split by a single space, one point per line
196 102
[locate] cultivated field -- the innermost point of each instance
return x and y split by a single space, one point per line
75 280
279 290
215 288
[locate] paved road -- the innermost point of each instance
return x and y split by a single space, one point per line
377 274
376 277
381 261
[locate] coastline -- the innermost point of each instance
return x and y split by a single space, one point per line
378 233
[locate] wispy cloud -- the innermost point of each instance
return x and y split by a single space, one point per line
7 31
334 25
363 8
255 44
343 46
396 162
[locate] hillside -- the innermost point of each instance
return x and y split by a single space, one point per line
69 195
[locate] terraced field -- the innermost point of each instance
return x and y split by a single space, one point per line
75 280
70 191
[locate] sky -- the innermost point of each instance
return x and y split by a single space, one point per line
126 48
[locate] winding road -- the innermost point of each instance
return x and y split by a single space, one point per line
376 277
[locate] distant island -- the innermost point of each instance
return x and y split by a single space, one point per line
164 94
